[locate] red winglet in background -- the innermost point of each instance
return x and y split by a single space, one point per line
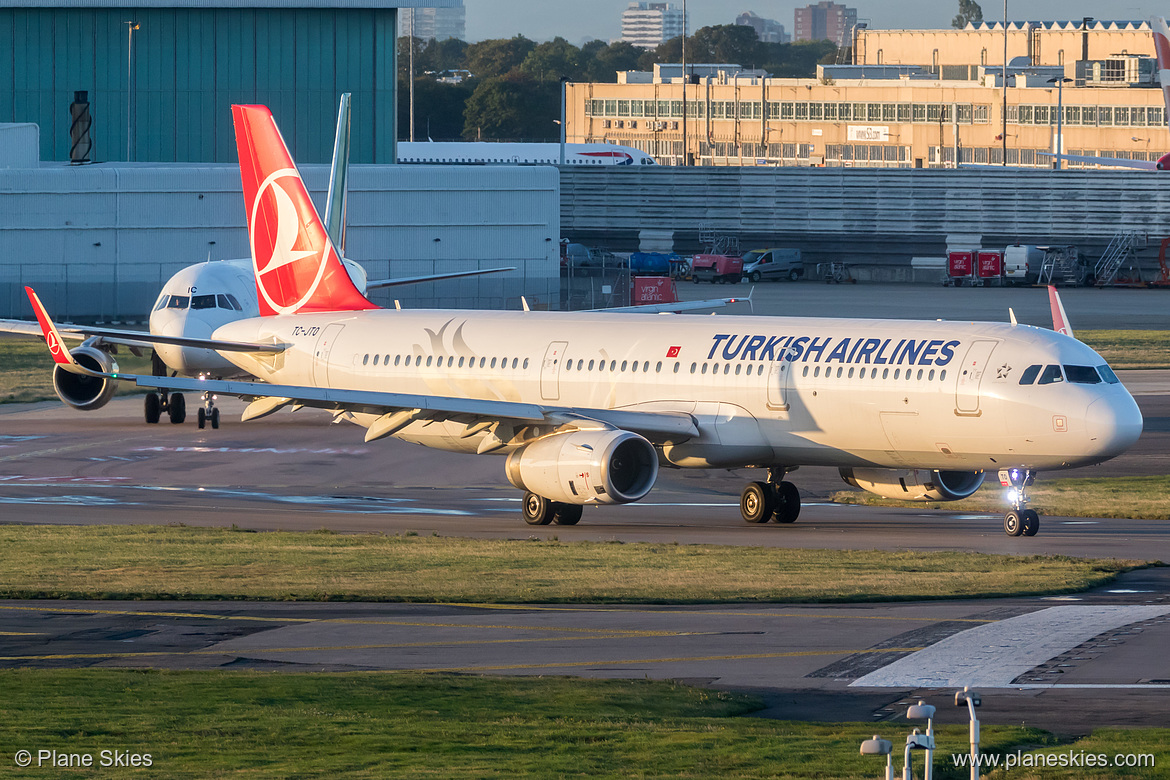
297 268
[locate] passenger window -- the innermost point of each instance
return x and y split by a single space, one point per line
515 362
704 368
886 373
418 361
178 302
658 368
1082 375
839 370
376 359
850 373
1029 375
203 302
726 368
897 373
429 357
482 362
493 363
943 376
1051 374
817 371
460 362
646 366
714 369
920 375
624 365
1107 374
634 366
397 359
365 360
693 367
526 363
677 366
760 371
613 365
930 376
590 365
738 368
805 372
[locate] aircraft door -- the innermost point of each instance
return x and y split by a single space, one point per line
325 344
778 380
970 375
550 371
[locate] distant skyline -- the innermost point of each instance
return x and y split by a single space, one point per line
577 22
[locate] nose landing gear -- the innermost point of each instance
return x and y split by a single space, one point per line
208 413
772 500
1019 519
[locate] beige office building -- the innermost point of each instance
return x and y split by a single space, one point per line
903 112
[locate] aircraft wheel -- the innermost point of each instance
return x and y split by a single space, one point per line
567 514
153 408
1013 523
538 510
787 503
201 417
1031 522
215 419
177 408
757 502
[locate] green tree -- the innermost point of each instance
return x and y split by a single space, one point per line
731 43
602 61
444 55
438 109
969 12
497 57
513 107
554 60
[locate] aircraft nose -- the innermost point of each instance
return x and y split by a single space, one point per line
1113 424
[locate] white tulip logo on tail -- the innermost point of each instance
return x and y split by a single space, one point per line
286 276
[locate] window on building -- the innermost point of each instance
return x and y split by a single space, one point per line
637 107
873 112
934 112
919 110
623 108
788 151
801 111
1104 116
889 112
982 115
904 112
879 56
1024 115
844 111
983 57
1072 115
787 110
830 112
859 111
816 111
610 108
965 113
676 108
773 110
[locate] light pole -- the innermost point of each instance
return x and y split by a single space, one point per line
564 89
1059 117
1003 81
410 59
685 81
972 700
130 28
915 741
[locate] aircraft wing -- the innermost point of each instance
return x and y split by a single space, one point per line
409 407
432 277
133 338
1116 162
668 308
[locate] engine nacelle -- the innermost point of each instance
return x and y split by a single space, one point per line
915 484
86 392
586 467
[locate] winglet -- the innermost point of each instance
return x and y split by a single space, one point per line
53 339
1059 318
1012 316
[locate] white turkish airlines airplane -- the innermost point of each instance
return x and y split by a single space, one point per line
587 407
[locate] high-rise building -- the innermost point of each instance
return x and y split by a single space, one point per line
767 30
434 23
649 24
825 21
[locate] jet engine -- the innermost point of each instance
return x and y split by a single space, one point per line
86 392
915 484
579 467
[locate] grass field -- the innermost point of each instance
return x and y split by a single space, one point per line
1133 497
150 562
26 370
1130 348
258 724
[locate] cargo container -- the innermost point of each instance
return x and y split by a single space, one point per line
960 268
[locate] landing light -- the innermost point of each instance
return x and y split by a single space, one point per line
1013 496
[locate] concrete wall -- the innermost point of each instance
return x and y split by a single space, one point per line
880 217
98 242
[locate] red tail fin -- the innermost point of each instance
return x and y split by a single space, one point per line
296 266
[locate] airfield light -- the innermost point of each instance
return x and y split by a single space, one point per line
915 741
880 747
924 711
972 700
1013 496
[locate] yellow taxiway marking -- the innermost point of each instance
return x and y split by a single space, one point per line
148 613
22 633
586 609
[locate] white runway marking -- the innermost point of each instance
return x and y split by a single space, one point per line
992 655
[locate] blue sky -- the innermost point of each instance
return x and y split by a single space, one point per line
582 20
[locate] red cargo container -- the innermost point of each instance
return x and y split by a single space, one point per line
716 269
989 266
960 266
654 289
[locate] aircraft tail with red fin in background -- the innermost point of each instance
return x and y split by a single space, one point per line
297 267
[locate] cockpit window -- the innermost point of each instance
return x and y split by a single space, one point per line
1082 375
1029 375
1051 374
223 302
203 302
178 302
235 303
1107 374
162 302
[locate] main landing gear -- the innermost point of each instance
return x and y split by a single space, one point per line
1019 519
174 404
772 500
539 510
